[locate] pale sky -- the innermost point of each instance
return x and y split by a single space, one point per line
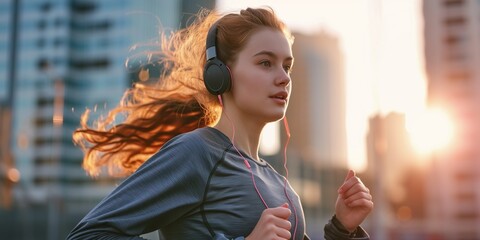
383 48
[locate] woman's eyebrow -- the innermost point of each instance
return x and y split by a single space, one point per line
271 54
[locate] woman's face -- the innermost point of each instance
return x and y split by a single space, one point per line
261 81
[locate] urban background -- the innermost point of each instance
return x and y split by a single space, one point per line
60 57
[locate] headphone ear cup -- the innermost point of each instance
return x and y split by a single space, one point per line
216 77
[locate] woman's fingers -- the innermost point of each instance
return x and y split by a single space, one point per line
282 211
358 199
273 224
354 192
283 233
350 180
357 188
352 185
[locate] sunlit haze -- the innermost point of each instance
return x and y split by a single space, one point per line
383 48
270 141
430 131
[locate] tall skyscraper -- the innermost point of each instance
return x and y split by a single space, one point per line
316 115
452 50
318 103
58 58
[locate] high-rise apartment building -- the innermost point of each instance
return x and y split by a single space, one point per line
57 58
452 50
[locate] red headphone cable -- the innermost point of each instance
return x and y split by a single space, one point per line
287 131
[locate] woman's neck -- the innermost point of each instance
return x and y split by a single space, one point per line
245 135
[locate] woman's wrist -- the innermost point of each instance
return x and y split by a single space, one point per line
339 225
335 230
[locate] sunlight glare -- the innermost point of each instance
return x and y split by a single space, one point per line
270 140
431 131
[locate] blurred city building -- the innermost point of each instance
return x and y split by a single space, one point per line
57 59
433 196
452 51
397 182
317 155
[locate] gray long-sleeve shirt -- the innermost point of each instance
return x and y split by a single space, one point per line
196 187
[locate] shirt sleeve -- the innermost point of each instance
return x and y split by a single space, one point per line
334 230
164 188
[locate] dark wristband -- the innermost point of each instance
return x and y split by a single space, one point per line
334 230
342 228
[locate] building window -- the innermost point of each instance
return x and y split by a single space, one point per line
43 102
46 7
87 64
459 76
453 2
41 24
91 26
455 45
464 177
40 122
83 7
467 215
58 42
452 40
42 64
459 20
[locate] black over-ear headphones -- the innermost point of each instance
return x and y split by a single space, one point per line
216 74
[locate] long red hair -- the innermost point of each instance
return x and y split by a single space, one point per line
177 103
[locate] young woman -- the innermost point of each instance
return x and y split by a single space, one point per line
199 128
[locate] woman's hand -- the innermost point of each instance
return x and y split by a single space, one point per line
354 202
273 224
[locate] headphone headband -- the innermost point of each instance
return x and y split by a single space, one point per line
211 40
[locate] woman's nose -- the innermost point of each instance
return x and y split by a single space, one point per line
283 78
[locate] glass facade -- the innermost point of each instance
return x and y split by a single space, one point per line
5 37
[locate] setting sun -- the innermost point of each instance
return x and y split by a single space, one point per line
430 131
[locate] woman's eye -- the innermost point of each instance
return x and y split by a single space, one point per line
266 63
288 68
